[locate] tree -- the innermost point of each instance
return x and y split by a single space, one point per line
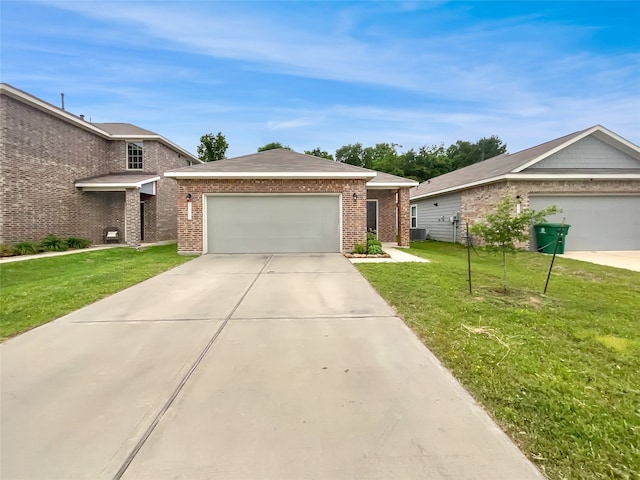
384 158
463 153
502 229
426 163
318 152
273 146
212 147
351 154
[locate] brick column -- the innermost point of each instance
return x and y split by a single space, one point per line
132 217
404 217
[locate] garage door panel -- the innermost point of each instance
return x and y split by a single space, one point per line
273 223
598 222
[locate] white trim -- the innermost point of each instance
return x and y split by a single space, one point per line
377 214
386 186
533 176
459 187
411 217
584 194
139 143
574 176
271 175
97 186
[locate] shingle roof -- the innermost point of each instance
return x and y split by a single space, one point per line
283 163
387 180
496 168
123 129
118 180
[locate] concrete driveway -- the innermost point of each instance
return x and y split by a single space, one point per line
627 259
241 367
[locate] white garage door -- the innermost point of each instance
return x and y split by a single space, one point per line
598 222
272 223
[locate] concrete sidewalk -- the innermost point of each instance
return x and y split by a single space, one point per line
396 255
236 367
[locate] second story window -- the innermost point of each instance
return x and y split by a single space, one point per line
134 156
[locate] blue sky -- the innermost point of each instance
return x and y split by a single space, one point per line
327 74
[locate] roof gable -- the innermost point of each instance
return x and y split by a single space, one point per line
588 152
521 164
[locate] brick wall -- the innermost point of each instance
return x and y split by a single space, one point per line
404 217
354 213
41 158
477 202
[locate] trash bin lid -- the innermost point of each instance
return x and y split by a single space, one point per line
552 225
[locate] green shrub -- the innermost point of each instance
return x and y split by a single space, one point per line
6 250
371 235
75 242
359 249
53 243
375 249
25 248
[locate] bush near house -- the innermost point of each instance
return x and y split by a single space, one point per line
374 247
51 243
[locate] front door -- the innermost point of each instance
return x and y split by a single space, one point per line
372 216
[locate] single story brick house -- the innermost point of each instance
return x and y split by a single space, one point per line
280 201
64 175
592 175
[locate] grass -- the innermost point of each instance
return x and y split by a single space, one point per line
559 372
35 291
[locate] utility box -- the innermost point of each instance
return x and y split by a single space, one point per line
418 234
548 234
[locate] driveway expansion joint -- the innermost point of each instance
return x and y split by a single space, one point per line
145 436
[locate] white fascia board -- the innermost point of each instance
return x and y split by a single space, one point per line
111 186
386 186
86 188
584 134
573 176
460 187
266 175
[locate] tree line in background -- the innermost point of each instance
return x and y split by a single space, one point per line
421 164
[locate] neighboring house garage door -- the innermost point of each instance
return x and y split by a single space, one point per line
598 222
272 223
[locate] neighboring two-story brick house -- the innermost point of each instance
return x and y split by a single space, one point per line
64 175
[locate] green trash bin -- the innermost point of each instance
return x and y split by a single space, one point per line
547 234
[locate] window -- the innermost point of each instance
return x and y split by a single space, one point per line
134 156
414 216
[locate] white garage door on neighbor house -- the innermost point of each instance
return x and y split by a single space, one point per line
598 222
266 223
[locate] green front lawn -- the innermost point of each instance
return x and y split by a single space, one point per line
35 291
559 372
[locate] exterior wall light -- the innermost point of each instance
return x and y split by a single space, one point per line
355 196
